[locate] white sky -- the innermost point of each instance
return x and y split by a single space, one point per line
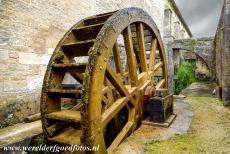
202 16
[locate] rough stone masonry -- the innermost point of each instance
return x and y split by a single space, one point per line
222 45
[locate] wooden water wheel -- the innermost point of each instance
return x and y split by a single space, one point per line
110 59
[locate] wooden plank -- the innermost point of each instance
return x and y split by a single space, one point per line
116 81
87 32
132 90
141 44
65 115
105 100
97 19
117 59
118 84
145 85
79 48
77 106
123 133
130 54
69 136
152 54
66 93
160 84
70 67
113 110
157 66
78 76
165 124
105 90
142 78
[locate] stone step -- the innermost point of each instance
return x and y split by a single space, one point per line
19 133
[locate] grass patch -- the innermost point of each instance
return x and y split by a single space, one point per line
177 144
7 122
38 140
209 131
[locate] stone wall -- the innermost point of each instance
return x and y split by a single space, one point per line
203 48
174 28
222 41
202 71
30 30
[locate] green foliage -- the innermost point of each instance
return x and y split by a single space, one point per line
192 43
39 140
186 76
7 122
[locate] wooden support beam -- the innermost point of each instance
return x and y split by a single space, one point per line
118 84
130 54
157 66
113 110
152 54
117 58
141 44
160 84
124 132
116 81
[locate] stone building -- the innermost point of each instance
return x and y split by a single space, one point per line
222 43
201 50
30 30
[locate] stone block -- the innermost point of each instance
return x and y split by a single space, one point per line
13 55
34 82
50 51
14 86
4 55
42 70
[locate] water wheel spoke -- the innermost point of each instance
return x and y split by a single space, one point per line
157 66
116 81
142 78
118 84
141 44
78 76
152 54
124 132
160 84
130 54
113 110
116 54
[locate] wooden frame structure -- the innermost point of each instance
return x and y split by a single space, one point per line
124 55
